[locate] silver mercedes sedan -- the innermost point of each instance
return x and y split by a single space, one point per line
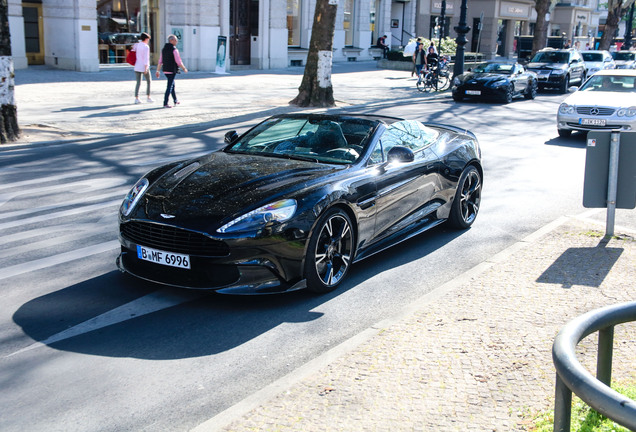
607 101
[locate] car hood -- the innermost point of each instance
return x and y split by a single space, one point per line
547 66
601 98
482 78
593 64
202 193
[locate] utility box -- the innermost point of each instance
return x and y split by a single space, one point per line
597 161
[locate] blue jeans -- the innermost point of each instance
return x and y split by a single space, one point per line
170 89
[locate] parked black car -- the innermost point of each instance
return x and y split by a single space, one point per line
296 200
496 80
558 68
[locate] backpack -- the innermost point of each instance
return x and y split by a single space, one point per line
131 58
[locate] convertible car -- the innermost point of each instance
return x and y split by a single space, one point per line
497 80
295 201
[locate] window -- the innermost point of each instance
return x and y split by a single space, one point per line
293 22
408 133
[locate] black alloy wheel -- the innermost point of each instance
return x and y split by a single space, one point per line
509 94
330 251
467 199
531 90
565 85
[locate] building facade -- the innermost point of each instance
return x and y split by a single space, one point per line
85 35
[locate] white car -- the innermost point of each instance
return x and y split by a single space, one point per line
607 101
596 60
625 59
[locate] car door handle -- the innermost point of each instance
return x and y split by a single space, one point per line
367 203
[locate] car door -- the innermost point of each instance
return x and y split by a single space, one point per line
404 190
520 79
577 67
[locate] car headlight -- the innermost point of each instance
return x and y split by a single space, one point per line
626 112
558 72
133 197
566 109
279 211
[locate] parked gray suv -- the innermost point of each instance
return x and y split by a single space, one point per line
558 68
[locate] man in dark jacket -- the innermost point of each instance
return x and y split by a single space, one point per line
171 61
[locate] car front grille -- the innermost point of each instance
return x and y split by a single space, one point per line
172 239
601 111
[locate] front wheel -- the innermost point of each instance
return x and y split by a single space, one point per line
531 90
467 199
330 251
565 85
508 94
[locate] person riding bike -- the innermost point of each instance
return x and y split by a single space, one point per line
432 59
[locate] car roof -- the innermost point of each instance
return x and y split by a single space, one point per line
617 72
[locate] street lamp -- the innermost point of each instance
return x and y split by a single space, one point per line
461 40
628 29
442 17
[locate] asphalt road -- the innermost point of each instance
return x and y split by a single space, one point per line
85 348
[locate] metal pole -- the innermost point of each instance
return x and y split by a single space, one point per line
612 185
628 28
442 18
461 40
562 406
605 352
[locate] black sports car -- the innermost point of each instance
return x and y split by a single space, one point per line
295 201
497 80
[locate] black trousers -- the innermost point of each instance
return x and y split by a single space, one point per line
170 89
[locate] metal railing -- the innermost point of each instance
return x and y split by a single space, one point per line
573 377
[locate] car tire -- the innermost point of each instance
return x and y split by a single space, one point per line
565 133
458 97
565 85
531 91
467 199
509 94
330 251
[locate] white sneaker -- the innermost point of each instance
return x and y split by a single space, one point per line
150 99
137 101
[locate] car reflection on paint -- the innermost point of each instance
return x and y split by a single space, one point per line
296 200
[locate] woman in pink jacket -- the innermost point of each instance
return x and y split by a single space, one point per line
142 65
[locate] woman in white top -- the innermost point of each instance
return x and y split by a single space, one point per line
142 65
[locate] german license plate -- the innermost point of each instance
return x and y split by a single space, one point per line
162 257
473 92
592 122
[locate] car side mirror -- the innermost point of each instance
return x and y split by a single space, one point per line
400 154
231 137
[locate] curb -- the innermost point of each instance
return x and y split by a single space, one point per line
226 417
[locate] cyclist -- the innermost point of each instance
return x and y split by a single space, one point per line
431 58
419 58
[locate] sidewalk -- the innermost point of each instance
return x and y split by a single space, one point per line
66 105
473 356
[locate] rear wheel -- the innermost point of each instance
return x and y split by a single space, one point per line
329 252
467 199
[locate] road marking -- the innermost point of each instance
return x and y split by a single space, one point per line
150 303
65 213
43 180
43 263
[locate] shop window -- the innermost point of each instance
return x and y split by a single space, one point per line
293 22
119 24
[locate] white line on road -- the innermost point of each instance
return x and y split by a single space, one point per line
58 259
145 305
42 180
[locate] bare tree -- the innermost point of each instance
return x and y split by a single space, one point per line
539 40
616 9
9 130
315 88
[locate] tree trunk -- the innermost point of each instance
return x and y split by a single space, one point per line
539 41
315 88
616 9
9 130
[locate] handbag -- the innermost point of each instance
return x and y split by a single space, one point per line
131 58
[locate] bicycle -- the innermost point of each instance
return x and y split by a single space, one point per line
437 79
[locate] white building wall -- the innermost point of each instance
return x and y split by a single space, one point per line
16 27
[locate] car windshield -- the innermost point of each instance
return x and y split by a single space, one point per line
592 57
623 55
499 68
321 139
551 57
610 83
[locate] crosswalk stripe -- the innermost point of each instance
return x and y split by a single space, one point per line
39 180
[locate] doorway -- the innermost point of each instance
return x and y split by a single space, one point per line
33 33
240 32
